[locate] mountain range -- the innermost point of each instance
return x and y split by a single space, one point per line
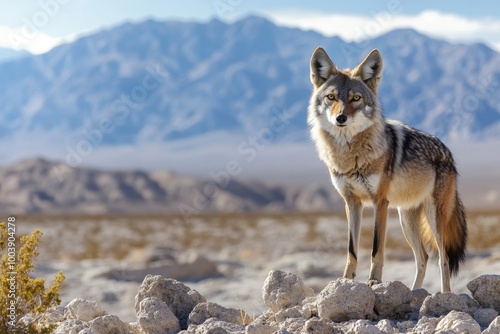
37 186
198 97
165 81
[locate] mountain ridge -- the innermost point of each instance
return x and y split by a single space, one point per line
40 186
217 72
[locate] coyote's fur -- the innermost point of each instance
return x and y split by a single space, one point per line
385 163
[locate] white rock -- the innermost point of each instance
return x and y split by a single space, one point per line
319 326
282 290
85 331
292 325
214 326
345 299
385 326
292 312
441 303
389 298
135 328
494 327
426 325
459 322
265 318
260 329
484 316
310 309
54 314
207 310
155 317
85 310
486 290
360 327
108 324
180 298
70 326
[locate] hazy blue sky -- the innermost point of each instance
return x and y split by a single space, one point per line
39 25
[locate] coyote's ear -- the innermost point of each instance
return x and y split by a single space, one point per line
370 70
321 67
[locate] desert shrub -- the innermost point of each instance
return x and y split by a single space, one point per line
20 294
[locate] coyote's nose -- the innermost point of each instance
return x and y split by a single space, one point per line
341 118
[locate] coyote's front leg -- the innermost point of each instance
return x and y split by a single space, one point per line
379 232
353 209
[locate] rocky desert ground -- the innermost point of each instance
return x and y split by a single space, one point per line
226 258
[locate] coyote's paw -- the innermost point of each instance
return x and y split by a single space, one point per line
372 282
350 276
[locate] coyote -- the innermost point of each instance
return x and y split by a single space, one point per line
385 163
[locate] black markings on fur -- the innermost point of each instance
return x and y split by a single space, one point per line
419 146
393 138
351 247
319 66
408 145
457 252
374 68
375 240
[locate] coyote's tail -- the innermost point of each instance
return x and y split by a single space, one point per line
455 236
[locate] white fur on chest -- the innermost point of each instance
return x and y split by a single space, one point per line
364 187
333 148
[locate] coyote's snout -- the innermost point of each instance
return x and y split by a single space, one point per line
384 163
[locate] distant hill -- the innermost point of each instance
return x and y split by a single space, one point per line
189 79
41 186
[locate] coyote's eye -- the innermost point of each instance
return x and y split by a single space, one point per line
330 97
356 98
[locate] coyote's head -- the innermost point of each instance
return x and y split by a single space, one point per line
345 101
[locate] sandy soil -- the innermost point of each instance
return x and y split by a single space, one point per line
227 257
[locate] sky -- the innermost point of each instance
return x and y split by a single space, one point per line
38 26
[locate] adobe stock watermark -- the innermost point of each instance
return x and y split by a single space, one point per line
248 150
374 27
120 110
47 10
226 8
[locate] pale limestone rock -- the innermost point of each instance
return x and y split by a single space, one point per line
345 299
441 303
459 322
282 290
84 310
180 298
486 290
155 317
108 324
